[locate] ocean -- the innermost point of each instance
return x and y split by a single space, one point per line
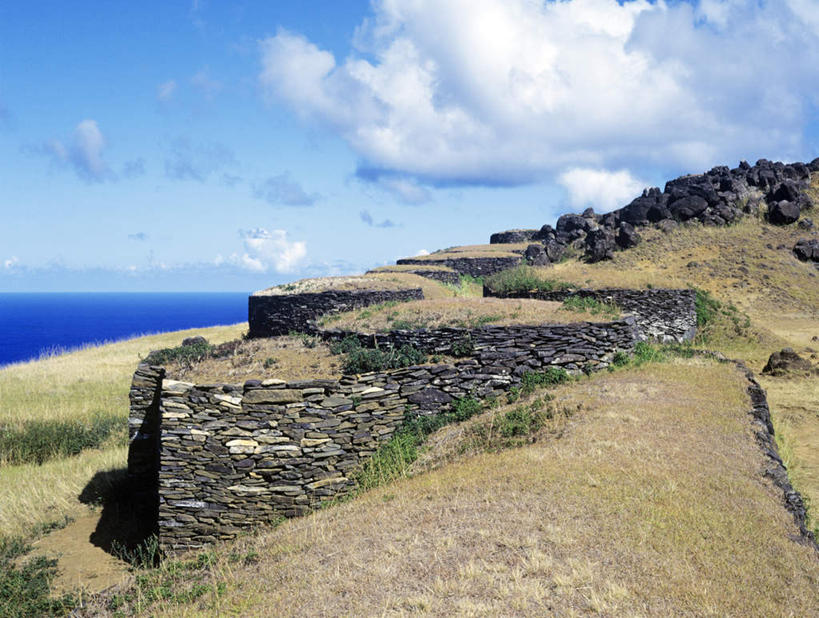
34 324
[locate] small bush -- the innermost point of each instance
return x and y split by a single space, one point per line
307 340
346 345
40 441
620 359
551 376
269 362
462 347
187 354
523 279
589 304
466 408
362 360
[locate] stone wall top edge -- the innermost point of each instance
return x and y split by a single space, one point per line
322 293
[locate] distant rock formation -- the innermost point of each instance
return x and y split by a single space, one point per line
718 197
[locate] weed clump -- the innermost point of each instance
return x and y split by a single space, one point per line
589 304
523 278
25 586
359 359
40 441
183 354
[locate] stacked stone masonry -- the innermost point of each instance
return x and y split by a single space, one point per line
474 267
230 457
663 315
269 316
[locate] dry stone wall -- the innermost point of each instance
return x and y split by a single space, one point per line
269 316
663 315
223 457
475 267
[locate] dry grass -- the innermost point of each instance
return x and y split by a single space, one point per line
459 312
402 268
285 358
78 384
779 293
389 280
73 386
652 502
475 251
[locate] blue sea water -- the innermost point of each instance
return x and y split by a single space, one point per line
33 324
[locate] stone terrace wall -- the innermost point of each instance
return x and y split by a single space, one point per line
269 316
475 267
233 456
663 315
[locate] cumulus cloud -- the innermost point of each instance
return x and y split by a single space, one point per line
11 263
83 153
166 90
502 92
196 161
367 218
601 189
266 251
284 189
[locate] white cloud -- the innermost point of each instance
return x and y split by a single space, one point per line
269 250
11 263
165 90
601 189
421 252
511 91
84 153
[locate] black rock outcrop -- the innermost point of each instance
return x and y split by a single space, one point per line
718 197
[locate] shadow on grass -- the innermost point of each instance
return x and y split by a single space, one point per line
128 517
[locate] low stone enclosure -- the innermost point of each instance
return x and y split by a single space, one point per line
209 460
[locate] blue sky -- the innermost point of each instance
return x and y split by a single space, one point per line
233 145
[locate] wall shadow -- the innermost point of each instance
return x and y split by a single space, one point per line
126 521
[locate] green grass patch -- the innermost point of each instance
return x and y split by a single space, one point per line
358 359
589 304
187 354
523 279
40 441
718 321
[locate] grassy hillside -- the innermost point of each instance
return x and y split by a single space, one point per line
647 501
52 401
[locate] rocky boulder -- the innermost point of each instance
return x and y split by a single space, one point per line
512 236
536 255
600 244
626 236
807 250
785 362
783 213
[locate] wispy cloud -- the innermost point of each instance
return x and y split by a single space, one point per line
11 263
205 84
196 161
284 190
134 168
83 153
140 236
367 218
166 90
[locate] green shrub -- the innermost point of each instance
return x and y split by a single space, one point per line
706 307
363 360
181 354
25 584
346 345
551 376
523 279
462 347
589 304
521 421
40 441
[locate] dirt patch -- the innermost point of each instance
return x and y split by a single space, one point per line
81 565
458 312
286 358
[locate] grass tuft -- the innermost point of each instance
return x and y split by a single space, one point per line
523 279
